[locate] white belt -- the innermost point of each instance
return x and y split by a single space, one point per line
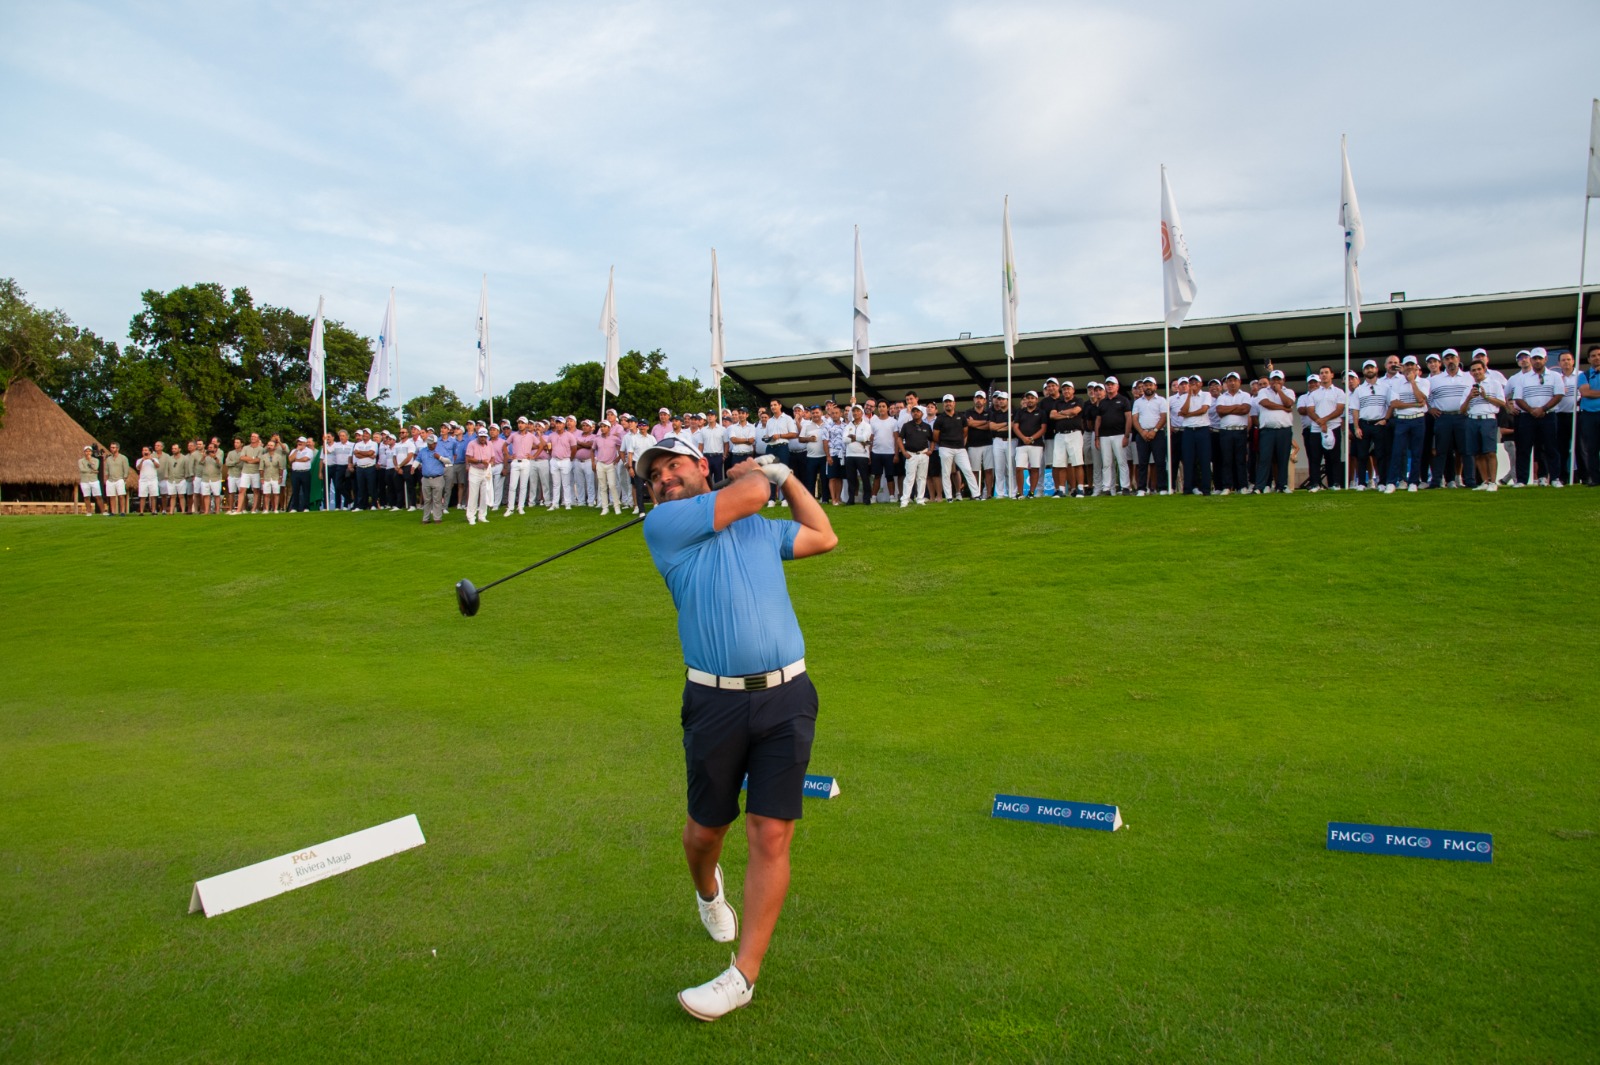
754 683
1482 417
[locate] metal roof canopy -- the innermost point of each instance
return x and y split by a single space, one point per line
1502 323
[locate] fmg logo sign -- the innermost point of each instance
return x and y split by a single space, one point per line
1093 815
1411 842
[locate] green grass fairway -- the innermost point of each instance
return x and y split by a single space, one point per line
184 696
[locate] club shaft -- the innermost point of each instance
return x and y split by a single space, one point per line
567 551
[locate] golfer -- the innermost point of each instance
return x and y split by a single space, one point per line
749 709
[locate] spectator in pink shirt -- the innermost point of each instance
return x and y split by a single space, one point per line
583 464
480 486
607 451
521 447
563 442
663 425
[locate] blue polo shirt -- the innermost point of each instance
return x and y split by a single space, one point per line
734 614
1592 379
428 459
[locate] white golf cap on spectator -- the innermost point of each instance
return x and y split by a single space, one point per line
1409 360
522 419
1370 363
1451 351
1001 395
667 445
1234 374
1479 351
980 392
1195 378
1030 392
1051 381
88 447
663 410
1275 373
484 433
1433 357
1536 353
1111 379
1069 384
1096 384
950 397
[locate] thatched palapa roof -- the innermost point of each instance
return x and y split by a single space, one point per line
39 442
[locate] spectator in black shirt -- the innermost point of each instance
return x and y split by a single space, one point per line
1028 426
1053 408
950 430
914 443
1112 428
979 454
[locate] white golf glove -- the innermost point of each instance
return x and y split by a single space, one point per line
777 472
765 460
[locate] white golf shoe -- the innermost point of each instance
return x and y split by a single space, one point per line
728 992
718 916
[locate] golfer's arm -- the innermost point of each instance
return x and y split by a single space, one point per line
816 534
743 496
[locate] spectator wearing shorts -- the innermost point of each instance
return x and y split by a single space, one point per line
1028 428
980 438
149 482
89 481
115 472
1481 406
273 465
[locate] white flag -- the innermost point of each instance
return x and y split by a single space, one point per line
1176 273
315 357
1008 283
1594 151
1355 238
483 337
863 317
716 323
608 326
378 376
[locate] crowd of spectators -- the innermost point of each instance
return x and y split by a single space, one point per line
1410 424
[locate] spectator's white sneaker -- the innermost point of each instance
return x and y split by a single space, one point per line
1493 487
726 993
1556 484
718 916
1411 488
1388 489
1139 494
904 503
922 502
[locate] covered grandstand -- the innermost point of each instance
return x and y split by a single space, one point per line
1292 341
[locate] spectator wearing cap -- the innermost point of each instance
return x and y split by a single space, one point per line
563 442
299 475
741 437
1053 408
607 452
1447 392
1232 407
814 432
211 469
89 480
1328 403
914 441
520 474
663 425
1535 395
1408 403
1196 415
1276 403
364 461
951 430
1068 458
583 464
480 474
385 475
1027 430
1002 447
434 466
1508 421
1588 419
1482 406
1113 429
980 455
1150 439
1368 447
539 482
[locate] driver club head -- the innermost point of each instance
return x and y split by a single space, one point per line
466 597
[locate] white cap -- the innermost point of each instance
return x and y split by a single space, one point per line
1112 380
667 445
1000 395
1275 373
950 398
1537 353
1409 360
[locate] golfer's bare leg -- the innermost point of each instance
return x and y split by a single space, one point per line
702 846
766 883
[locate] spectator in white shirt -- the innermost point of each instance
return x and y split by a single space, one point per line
1408 405
1276 434
1327 414
1481 407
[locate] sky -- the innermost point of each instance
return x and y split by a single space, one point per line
305 150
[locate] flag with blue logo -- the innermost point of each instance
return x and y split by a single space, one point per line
1355 238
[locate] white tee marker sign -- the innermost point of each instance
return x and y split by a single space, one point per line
230 891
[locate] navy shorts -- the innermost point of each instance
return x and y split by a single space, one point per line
766 735
1483 436
882 465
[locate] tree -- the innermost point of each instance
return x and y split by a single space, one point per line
46 347
440 405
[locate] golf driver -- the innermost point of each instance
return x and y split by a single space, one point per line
467 594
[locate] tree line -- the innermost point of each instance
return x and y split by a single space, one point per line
205 361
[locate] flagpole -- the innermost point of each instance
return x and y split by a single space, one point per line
324 447
1166 375
1345 381
1577 348
400 409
